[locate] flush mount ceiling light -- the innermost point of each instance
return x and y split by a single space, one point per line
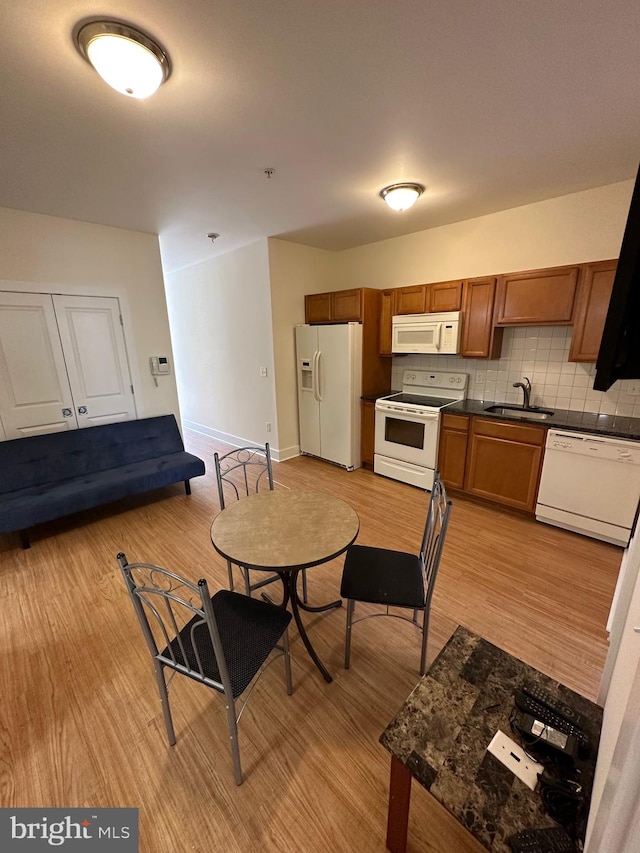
401 196
127 59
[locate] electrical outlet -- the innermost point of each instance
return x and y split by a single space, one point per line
479 377
515 759
268 426
263 371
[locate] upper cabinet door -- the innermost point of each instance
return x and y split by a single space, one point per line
480 338
592 303
35 396
317 308
346 306
411 300
96 358
536 298
387 310
445 296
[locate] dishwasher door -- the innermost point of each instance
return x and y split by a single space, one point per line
590 484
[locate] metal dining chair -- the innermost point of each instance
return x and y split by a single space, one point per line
396 578
240 473
222 641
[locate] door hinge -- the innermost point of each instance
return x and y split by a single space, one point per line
121 323
132 391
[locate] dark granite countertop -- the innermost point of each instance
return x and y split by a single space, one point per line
615 425
442 731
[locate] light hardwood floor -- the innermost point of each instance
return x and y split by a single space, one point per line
80 719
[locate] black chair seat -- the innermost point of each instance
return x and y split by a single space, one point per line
224 641
396 578
249 629
382 576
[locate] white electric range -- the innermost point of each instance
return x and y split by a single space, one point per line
408 425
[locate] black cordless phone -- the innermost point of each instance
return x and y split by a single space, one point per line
543 697
548 721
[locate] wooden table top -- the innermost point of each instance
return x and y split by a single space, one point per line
284 530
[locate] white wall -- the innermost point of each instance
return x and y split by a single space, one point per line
294 271
53 255
220 316
614 813
585 226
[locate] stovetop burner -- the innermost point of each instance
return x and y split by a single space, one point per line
420 400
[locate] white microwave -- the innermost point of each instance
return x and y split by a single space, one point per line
426 333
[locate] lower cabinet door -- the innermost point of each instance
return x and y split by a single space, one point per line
368 432
505 471
452 450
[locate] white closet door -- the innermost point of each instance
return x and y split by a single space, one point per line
35 396
96 358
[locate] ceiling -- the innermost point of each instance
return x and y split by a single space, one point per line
490 105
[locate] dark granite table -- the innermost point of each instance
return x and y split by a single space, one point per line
440 737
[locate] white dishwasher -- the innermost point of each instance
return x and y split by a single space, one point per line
590 484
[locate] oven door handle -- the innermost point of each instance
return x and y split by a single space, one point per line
410 414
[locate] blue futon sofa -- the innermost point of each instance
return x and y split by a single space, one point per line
43 477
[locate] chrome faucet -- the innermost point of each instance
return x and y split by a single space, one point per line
526 390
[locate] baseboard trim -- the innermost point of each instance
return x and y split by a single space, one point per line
237 441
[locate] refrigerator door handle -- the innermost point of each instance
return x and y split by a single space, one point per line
316 376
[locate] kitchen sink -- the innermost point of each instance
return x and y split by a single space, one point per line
534 413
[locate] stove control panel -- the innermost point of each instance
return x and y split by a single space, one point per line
422 380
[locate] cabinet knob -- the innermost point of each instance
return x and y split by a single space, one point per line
82 410
66 413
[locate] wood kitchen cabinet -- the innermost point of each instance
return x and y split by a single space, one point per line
428 298
367 433
340 306
592 302
452 450
537 297
480 337
411 300
346 305
504 462
317 308
444 296
387 310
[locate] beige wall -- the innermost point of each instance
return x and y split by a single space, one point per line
220 315
54 255
294 270
575 228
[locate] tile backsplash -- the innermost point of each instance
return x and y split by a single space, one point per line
541 353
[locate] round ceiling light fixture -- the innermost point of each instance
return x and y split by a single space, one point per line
402 196
131 62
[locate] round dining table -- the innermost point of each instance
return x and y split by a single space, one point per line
285 532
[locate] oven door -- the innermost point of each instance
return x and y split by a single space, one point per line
407 436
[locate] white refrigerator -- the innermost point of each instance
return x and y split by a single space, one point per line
329 370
